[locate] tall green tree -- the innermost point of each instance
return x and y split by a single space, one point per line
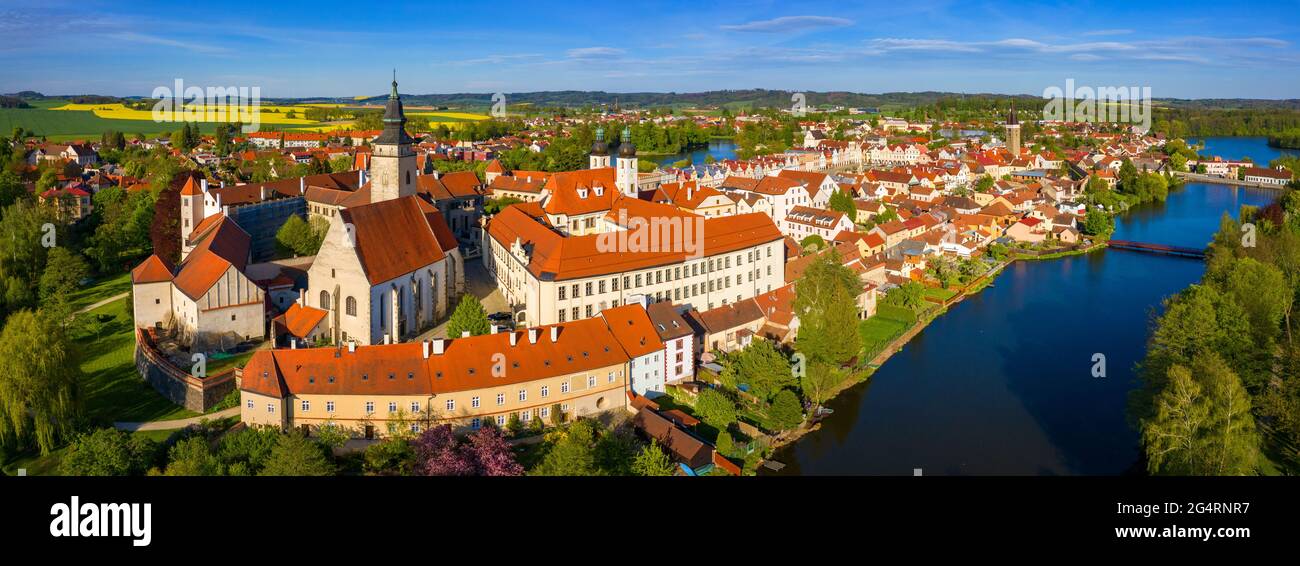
761 366
1202 424
826 303
297 455
468 316
843 202
40 382
653 461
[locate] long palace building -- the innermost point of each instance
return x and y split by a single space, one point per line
578 368
591 244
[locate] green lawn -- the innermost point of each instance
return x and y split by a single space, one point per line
113 389
939 293
878 331
100 289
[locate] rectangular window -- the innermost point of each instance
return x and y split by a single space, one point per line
329 406
545 390
392 406
370 407
501 420
451 404
588 289
525 415
588 311
250 403
562 290
638 280
614 283
591 381
561 315
523 394
546 412
611 377
601 287
564 387
270 407
475 423
575 290
575 313
659 277
415 427
306 405
501 399
473 402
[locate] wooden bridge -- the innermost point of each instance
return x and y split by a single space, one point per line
1157 249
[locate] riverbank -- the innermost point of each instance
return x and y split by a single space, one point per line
924 319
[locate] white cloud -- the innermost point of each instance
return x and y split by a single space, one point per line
594 53
787 24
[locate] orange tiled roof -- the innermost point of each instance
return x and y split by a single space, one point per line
465 364
152 270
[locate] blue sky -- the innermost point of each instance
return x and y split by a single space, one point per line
1189 49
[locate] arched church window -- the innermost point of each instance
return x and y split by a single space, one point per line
325 300
352 306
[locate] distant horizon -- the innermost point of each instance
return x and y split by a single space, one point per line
1192 49
360 98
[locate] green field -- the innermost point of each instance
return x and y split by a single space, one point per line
64 125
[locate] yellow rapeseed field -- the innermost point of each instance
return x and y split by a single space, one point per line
267 114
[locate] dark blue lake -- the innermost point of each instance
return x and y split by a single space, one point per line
1002 384
720 149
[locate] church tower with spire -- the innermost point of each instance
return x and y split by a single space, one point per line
1013 132
599 150
625 174
393 167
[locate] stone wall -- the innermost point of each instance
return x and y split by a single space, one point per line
193 393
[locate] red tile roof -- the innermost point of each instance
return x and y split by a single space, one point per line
465 364
152 270
300 320
393 237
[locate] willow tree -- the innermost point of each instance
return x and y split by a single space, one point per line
1202 424
40 382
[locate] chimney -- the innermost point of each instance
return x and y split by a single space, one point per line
555 334
514 338
361 177
352 346
464 334
494 328
293 343
532 335
302 185
263 188
690 193
203 184
424 347
439 346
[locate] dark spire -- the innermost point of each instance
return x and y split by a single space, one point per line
600 147
625 147
1011 119
394 119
